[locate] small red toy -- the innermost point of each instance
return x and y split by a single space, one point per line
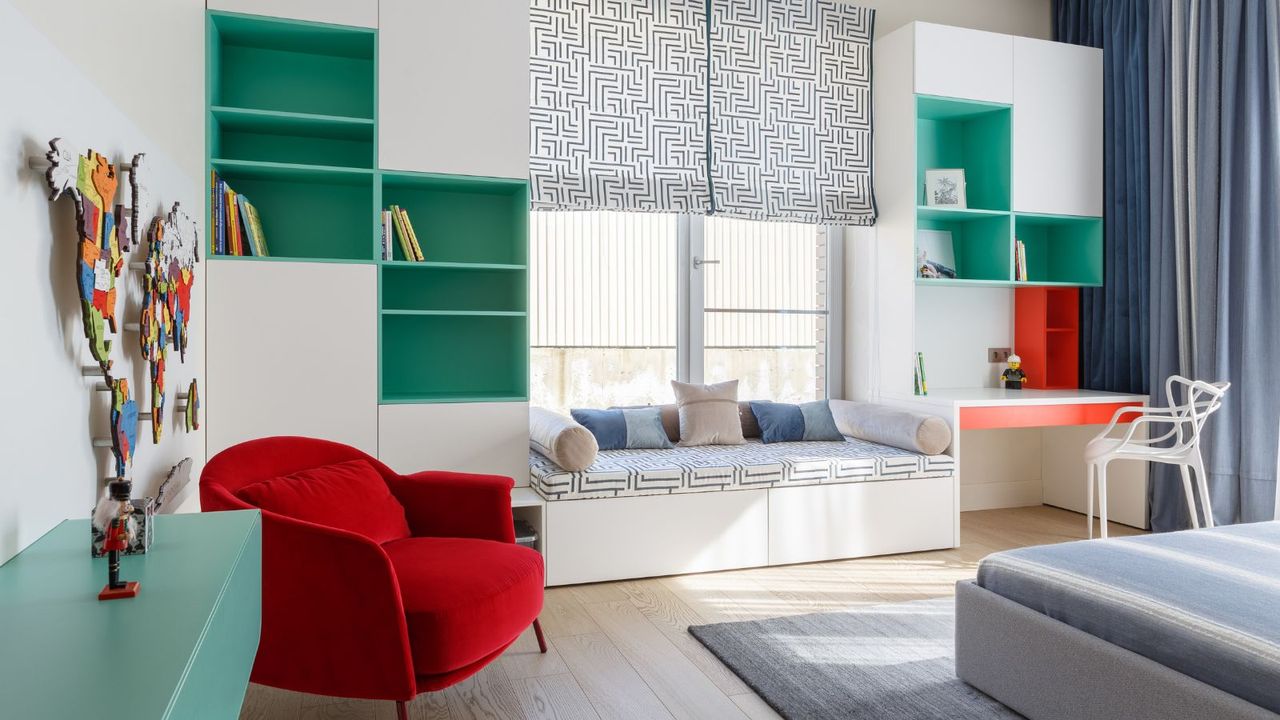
117 540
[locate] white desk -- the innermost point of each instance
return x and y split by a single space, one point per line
1026 447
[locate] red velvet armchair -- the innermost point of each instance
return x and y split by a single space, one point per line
376 585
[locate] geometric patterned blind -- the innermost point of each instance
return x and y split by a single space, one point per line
791 110
625 109
618 102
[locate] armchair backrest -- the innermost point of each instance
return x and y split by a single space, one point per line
266 458
1195 400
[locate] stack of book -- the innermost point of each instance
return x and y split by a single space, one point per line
237 229
396 226
1019 260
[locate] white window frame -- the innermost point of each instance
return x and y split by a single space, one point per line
691 305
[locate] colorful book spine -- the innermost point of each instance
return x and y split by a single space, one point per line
222 217
413 237
259 237
386 235
402 234
924 384
242 213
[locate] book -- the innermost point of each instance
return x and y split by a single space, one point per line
413 237
233 223
386 235
402 234
924 384
242 213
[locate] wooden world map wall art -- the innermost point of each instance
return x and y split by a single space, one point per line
106 231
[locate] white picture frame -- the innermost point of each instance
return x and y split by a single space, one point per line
945 187
935 254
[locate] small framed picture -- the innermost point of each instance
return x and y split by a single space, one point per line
935 254
944 187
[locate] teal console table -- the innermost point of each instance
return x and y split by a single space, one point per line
183 648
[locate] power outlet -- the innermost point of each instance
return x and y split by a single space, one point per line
998 355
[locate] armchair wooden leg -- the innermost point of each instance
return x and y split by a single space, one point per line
402 710
542 641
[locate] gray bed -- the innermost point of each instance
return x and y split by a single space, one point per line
1181 625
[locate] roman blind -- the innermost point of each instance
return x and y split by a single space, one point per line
749 108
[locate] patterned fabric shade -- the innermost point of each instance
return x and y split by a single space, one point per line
791 110
626 112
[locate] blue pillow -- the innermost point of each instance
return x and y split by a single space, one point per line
631 429
782 422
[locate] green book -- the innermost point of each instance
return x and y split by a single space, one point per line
924 384
402 234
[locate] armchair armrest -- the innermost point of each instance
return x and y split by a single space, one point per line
329 594
451 504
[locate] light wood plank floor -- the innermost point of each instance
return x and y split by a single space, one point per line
621 650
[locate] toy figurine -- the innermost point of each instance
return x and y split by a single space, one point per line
1014 375
118 537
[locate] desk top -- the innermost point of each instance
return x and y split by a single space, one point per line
996 397
64 653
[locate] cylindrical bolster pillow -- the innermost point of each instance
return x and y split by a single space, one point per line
565 442
917 432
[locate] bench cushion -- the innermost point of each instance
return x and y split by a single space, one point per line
710 468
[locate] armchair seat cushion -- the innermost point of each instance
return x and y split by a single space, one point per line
349 496
457 614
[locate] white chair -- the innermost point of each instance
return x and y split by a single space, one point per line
1181 444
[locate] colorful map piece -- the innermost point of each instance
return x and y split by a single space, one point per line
193 407
91 181
172 247
124 426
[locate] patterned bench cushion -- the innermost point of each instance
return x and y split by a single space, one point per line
628 473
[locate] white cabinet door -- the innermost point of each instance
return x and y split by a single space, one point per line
1057 128
291 349
489 438
453 86
360 13
962 63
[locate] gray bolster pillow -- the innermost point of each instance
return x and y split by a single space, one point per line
917 432
563 441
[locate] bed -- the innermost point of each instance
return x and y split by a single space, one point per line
1179 625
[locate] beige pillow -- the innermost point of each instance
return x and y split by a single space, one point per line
708 413
565 442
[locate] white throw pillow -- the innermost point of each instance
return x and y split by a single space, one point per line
708 413
565 442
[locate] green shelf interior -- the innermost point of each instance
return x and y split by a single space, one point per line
453 289
462 219
267 64
1061 249
306 214
453 358
983 250
238 134
974 136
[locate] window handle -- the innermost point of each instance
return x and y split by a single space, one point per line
699 262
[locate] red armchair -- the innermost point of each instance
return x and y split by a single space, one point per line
376 585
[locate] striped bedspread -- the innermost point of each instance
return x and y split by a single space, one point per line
1203 602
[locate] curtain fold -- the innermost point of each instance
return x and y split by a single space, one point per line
749 108
1114 337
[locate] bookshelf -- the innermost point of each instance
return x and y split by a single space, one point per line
1047 335
292 125
976 135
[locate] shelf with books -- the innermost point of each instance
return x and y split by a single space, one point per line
294 138
291 65
435 357
462 219
1061 248
444 288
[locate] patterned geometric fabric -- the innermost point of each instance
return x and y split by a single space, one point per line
618 102
709 468
791 110
625 110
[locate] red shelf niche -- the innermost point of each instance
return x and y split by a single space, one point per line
1047 336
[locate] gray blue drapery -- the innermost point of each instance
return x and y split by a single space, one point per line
1212 136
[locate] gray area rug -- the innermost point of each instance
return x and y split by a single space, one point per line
887 661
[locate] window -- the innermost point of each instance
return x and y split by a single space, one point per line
622 303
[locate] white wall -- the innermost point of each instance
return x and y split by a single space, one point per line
1028 18
121 77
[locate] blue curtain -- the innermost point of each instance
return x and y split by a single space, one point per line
1215 81
1114 337
1193 230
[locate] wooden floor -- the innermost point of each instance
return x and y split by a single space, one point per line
621 650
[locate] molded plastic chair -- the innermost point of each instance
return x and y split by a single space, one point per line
1180 445
347 615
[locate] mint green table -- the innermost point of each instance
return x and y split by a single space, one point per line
181 649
